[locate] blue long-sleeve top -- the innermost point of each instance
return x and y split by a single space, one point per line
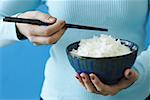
125 19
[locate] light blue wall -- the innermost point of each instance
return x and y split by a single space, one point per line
22 71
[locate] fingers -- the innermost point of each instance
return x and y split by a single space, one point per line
94 84
47 30
100 87
87 83
39 40
41 35
130 74
130 77
89 86
78 77
44 17
39 16
127 73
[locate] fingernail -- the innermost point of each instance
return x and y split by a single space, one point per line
77 77
129 74
92 77
83 77
52 19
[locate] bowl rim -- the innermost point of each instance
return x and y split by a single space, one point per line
120 56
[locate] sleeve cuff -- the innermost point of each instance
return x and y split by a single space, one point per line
8 31
141 73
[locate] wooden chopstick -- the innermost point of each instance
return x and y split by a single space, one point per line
38 22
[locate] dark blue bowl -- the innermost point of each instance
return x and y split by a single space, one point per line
109 69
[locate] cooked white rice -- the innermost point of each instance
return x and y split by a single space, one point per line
102 46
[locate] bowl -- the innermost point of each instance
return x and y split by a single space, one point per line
110 70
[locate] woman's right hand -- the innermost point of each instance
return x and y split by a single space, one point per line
41 35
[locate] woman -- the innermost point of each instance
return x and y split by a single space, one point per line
124 19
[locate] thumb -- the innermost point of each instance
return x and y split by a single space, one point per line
45 18
49 19
130 75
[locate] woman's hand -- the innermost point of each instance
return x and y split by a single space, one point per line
41 35
94 85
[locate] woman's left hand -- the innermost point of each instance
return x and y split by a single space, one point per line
94 85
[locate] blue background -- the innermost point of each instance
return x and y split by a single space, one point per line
22 68
22 71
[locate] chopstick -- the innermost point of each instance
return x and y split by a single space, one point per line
38 22
85 27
